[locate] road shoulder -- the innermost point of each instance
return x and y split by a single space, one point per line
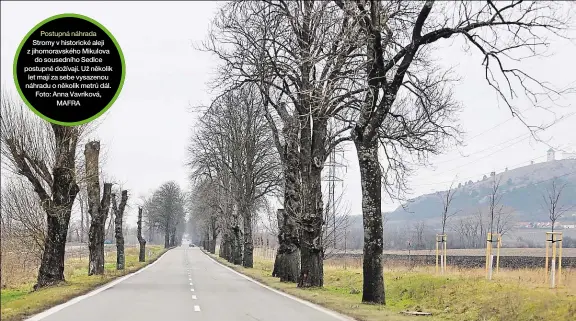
318 298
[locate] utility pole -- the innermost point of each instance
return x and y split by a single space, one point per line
332 179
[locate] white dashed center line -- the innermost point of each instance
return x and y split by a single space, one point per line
196 307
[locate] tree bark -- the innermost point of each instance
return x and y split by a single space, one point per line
172 241
118 231
287 262
52 263
311 249
141 240
167 234
248 257
214 231
371 178
277 270
81 221
59 207
98 208
312 153
225 247
236 245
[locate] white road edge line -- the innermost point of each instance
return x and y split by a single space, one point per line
197 308
310 304
77 299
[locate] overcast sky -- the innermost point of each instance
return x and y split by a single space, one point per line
145 133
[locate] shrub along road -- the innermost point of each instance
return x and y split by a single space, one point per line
186 284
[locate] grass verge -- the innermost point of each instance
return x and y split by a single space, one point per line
19 302
453 297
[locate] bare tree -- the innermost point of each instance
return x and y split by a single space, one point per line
118 232
45 154
398 37
447 214
552 204
418 235
470 231
494 198
234 141
97 208
505 221
299 56
205 213
166 210
22 216
141 240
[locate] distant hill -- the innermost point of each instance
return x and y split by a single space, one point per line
521 191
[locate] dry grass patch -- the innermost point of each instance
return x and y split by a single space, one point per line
462 295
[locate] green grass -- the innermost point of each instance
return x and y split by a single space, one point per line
19 302
457 297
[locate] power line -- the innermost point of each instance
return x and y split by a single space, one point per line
477 175
491 128
485 149
476 160
509 119
495 145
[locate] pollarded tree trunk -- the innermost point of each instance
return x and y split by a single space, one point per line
118 231
287 262
371 177
58 202
96 247
52 265
312 153
236 245
97 208
225 251
311 249
141 240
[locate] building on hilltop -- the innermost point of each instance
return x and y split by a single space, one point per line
551 155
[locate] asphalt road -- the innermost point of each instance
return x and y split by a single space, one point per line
182 285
